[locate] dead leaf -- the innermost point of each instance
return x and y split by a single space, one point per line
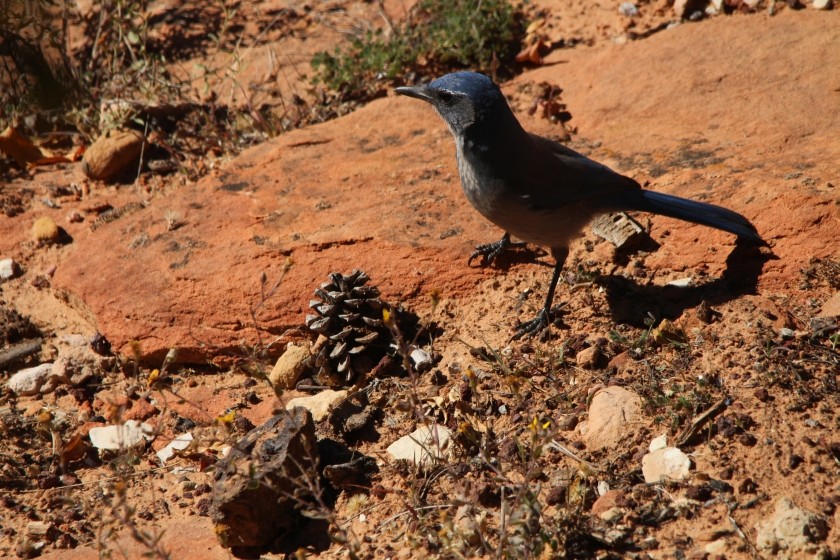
19 147
75 449
78 153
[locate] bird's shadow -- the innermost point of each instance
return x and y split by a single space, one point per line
630 302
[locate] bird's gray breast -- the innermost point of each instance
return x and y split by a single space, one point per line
501 198
482 187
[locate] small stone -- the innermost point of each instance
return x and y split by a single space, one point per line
790 529
612 515
45 231
681 8
31 381
289 367
718 548
682 282
100 344
178 444
821 4
423 445
589 358
114 154
567 422
120 436
470 525
699 492
37 530
786 333
619 361
318 404
614 414
717 6
74 217
602 487
78 340
628 9
665 463
610 500
831 307
77 365
140 409
352 474
649 543
9 268
421 359
660 442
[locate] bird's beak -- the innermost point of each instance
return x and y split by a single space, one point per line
417 92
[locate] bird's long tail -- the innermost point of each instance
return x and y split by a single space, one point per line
690 211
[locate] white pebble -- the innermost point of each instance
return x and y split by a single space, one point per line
8 269
628 9
30 380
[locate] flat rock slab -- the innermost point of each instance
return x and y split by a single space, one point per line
737 111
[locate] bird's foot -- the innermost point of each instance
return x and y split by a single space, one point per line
489 252
538 324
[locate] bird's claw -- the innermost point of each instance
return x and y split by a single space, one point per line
538 324
532 327
489 251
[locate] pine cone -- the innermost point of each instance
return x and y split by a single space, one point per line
349 315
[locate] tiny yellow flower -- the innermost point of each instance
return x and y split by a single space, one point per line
226 418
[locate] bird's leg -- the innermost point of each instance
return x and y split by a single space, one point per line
490 251
543 318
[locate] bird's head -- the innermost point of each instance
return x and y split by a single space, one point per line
462 99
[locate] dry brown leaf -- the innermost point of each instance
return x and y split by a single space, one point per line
75 449
77 153
19 147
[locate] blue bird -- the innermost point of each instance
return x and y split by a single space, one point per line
536 189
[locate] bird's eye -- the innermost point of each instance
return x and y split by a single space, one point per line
446 98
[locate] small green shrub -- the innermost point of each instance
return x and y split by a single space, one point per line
438 36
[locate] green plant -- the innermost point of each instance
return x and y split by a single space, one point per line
640 344
437 36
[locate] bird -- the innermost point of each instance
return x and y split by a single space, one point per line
538 190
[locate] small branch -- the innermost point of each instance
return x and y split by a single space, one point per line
704 417
19 351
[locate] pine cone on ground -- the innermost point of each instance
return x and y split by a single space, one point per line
349 315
